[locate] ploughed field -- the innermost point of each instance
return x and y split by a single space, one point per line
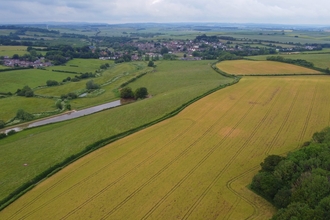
196 165
248 67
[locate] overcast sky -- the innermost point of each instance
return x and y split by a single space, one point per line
132 11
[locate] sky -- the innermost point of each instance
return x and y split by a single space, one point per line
166 11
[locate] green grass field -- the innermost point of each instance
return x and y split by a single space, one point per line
10 81
196 165
319 60
81 65
11 50
10 105
184 81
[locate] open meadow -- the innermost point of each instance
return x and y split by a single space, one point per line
248 67
11 50
61 140
319 60
17 79
196 165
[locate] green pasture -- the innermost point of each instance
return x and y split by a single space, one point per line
10 105
11 50
10 81
277 37
174 83
110 80
319 60
6 31
81 65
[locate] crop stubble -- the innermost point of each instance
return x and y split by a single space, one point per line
194 166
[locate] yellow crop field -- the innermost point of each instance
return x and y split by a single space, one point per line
196 165
248 67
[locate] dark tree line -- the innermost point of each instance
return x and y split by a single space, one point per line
298 184
299 62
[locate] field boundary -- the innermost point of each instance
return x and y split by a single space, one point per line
103 142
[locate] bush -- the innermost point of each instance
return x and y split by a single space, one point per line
58 104
52 83
22 115
126 93
72 95
2 124
151 64
90 85
11 132
2 135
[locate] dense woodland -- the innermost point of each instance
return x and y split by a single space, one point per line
299 183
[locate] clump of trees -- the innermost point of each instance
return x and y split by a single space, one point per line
127 93
26 91
298 184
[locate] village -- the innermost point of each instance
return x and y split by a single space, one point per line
39 63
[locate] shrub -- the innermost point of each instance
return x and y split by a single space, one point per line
23 115
11 132
58 104
2 135
91 85
52 83
72 95
2 124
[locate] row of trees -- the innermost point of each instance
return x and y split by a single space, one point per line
299 62
298 184
127 93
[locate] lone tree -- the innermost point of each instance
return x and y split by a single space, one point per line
151 63
126 93
91 85
141 93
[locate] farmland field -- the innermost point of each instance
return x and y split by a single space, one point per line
247 67
17 79
10 105
31 146
11 50
195 165
81 65
319 60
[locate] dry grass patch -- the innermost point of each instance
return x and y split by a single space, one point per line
248 67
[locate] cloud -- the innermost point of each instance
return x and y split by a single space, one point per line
120 11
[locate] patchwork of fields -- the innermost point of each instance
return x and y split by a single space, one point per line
247 67
319 60
196 165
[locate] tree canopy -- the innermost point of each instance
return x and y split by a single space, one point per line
299 183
